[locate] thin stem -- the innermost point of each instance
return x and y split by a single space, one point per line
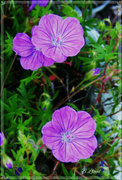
8 73
34 132
116 15
55 166
28 164
42 146
65 99
115 44
104 142
115 155
114 113
109 35
97 99
57 78
79 85
81 174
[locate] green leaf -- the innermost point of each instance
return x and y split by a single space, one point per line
14 154
73 106
64 170
26 122
67 10
8 45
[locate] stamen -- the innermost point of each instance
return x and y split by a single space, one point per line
56 41
67 137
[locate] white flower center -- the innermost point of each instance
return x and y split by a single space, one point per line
67 137
37 49
56 41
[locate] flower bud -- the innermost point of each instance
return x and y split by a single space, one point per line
101 26
96 71
92 73
46 104
7 161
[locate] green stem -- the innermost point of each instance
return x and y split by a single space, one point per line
65 99
78 85
57 78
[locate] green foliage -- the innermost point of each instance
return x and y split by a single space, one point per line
8 45
38 11
30 97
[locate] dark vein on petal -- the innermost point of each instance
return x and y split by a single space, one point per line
81 125
68 33
84 146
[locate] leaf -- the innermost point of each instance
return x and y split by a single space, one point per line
64 170
73 106
67 10
14 154
26 122
31 78
8 45
85 14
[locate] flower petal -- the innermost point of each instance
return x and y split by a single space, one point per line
64 118
71 36
51 141
51 23
35 61
64 153
40 37
43 2
69 25
47 61
51 137
55 53
83 148
85 126
49 130
71 47
22 45
33 4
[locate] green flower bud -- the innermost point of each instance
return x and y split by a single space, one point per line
101 26
7 161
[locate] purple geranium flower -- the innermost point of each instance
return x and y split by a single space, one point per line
58 38
70 135
31 57
96 71
2 137
40 2
18 171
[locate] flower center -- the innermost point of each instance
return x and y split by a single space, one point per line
37 49
56 41
67 137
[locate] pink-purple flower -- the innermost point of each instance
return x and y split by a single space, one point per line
40 2
31 57
58 38
2 138
70 135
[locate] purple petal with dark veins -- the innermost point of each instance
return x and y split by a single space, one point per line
22 45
